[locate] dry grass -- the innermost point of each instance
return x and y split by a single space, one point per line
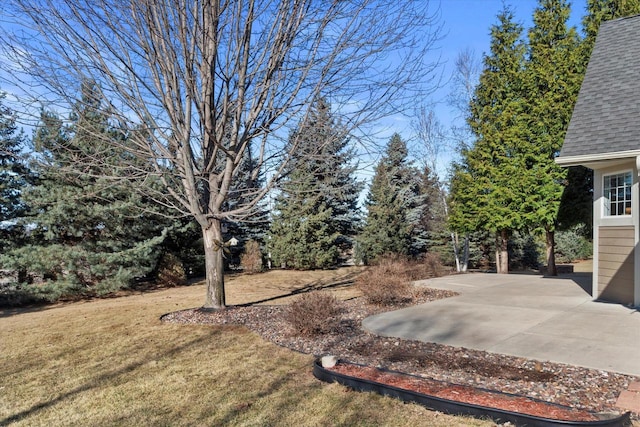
112 362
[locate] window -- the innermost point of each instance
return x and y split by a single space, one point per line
617 194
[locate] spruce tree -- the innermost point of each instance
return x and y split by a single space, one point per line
433 225
487 190
553 74
92 233
14 176
395 207
251 225
316 212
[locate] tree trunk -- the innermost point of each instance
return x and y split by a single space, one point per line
552 270
456 250
461 265
465 258
502 253
214 266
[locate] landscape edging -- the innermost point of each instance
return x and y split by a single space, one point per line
453 407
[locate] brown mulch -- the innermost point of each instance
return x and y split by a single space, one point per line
582 388
465 394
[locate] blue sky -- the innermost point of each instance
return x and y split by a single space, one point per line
466 24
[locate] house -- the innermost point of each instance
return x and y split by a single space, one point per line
604 135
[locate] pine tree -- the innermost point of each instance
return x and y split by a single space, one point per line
553 81
316 213
487 191
92 233
395 207
14 176
433 223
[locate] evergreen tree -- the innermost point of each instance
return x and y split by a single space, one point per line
487 190
599 11
316 213
93 234
576 208
553 81
395 207
576 204
253 224
433 225
14 176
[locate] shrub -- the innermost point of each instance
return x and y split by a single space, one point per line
426 267
314 313
572 245
171 271
524 251
387 282
251 260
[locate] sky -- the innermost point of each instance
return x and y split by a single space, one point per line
466 25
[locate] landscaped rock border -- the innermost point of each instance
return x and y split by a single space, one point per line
402 386
568 385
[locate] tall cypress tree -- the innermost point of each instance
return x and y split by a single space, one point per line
599 11
316 212
92 233
553 81
487 191
395 207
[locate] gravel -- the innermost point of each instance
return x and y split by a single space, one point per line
583 388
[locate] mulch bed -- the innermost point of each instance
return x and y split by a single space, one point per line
581 388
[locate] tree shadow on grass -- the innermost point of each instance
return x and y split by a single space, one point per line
341 282
97 381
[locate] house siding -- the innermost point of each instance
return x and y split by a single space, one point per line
616 254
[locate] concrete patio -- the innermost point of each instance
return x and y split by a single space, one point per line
530 316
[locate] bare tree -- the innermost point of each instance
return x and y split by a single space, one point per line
433 142
467 69
202 79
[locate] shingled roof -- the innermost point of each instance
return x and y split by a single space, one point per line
606 119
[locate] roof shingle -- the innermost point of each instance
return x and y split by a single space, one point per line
606 118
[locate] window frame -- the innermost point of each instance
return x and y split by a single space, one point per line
626 189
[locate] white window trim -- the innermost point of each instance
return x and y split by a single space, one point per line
603 210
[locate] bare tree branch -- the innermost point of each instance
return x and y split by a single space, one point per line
195 81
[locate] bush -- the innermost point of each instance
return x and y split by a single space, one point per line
426 267
524 251
572 245
387 282
314 313
171 271
251 259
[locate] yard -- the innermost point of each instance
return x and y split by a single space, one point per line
113 362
